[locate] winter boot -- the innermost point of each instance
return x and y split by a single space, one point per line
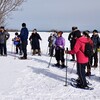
23 57
57 64
34 52
63 65
88 72
95 65
39 52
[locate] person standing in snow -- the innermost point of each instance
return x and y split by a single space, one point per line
34 39
72 40
59 50
82 60
50 44
24 40
16 41
51 40
96 41
86 34
4 36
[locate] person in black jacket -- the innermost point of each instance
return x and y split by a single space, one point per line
72 38
24 36
50 44
34 39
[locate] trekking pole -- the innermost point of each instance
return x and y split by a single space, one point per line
47 50
99 64
15 52
99 60
50 62
66 68
72 68
12 47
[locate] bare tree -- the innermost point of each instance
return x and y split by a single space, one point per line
7 6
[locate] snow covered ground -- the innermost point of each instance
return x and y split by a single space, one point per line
32 79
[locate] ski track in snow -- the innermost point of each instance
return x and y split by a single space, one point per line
35 81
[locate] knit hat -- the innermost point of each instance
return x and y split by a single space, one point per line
95 31
74 28
16 33
86 33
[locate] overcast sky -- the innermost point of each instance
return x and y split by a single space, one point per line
57 14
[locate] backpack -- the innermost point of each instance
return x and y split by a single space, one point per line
15 41
88 50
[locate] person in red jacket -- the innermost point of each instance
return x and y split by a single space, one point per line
82 60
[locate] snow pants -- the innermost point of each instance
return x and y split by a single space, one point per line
81 73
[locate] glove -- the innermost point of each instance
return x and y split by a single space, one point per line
68 52
61 46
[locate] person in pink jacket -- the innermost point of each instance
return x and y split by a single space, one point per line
82 60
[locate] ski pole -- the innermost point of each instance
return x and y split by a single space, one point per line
12 47
99 64
99 61
66 68
47 50
72 68
15 55
50 62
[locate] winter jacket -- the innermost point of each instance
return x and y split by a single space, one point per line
3 37
96 41
72 39
16 40
79 49
24 34
60 42
34 38
50 40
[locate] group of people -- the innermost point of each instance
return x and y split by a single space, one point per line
94 41
78 41
21 42
56 45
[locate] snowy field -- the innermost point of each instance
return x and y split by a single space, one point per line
32 79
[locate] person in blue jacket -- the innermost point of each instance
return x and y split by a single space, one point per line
24 40
16 42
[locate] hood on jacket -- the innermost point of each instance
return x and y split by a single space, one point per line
84 39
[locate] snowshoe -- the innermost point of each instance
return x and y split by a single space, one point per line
56 65
75 85
78 81
22 58
63 66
